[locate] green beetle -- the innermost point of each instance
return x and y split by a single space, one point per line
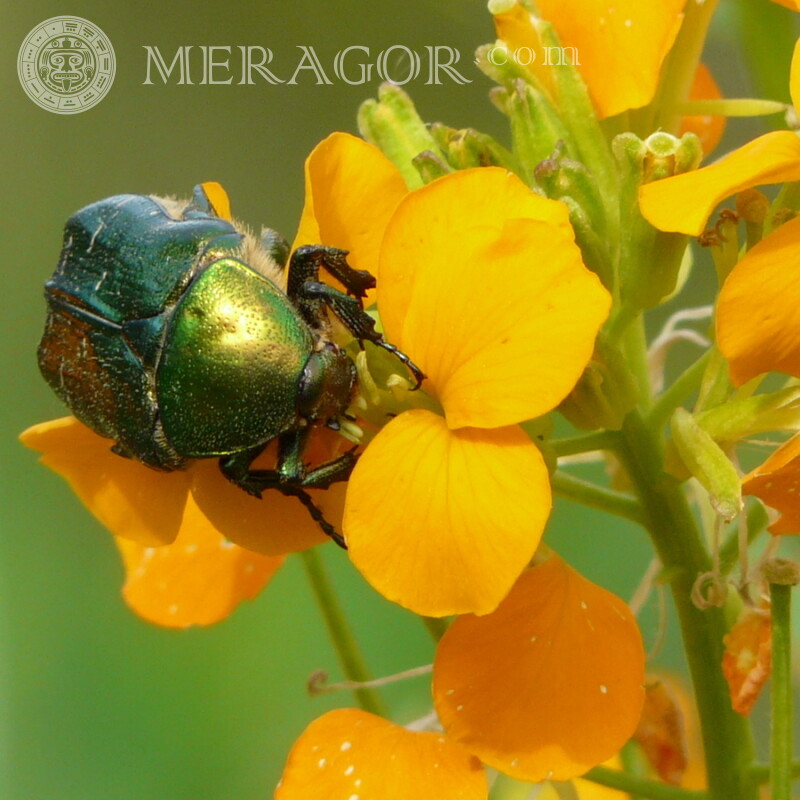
168 332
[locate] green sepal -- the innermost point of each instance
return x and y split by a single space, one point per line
716 386
561 176
605 393
506 73
430 166
468 148
706 461
392 124
536 129
739 418
593 246
578 114
650 260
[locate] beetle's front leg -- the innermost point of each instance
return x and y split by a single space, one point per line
307 261
356 320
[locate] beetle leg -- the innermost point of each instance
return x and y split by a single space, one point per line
307 261
356 320
290 477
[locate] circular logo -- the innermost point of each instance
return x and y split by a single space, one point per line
66 65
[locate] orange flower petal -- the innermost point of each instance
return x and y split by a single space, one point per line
197 580
707 127
131 500
517 29
351 191
758 316
777 483
747 662
547 686
275 524
794 5
219 200
444 521
349 754
481 283
684 202
619 47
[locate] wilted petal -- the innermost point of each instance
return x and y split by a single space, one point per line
747 662
549 685
198 579
129 499
661 732
684 202
758 316
442 522
351 191
481 283
349 755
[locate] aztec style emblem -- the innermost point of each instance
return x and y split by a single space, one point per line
66 65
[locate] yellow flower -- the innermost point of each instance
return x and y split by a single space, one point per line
547 686
619 47
176 530
481 284
684 203
757 317
350 753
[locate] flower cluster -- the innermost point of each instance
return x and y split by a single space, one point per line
518 280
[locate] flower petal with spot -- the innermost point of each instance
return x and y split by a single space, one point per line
548 685
349 754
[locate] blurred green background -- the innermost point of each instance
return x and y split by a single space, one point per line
94 703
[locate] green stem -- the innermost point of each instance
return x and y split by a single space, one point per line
674 531
781 749
589 494
680 390
344 642
644 787
585 443
634 346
